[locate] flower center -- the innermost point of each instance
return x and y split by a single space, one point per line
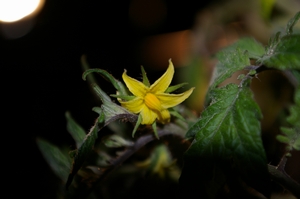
152 102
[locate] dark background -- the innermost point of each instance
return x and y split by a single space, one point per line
41 78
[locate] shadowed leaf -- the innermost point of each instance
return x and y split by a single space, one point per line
58 161
228 143
75 130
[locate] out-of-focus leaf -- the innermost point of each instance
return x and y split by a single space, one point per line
291 23
291 134
75 130
58 161
116 141
85 149
227 144
266 8
255 50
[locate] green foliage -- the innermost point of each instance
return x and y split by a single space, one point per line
291 135
56 158
283 54
116 141
226 153
291 23
85 149
227 134
255 50
230 61
75 130
116 83
283 51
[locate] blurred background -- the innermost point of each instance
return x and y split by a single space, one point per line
41 69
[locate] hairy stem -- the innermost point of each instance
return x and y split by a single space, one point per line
285 180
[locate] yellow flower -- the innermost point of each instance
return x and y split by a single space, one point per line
152 102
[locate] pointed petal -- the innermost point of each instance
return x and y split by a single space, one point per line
134 106
164 81
170 100
136 87
164 116
148 115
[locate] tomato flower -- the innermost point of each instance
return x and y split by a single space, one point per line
152 102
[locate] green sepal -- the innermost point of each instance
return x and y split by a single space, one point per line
124 97
116 83
145 78
97 109
176 114
111 110
154 127
137 124
175 87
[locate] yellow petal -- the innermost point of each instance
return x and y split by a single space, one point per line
170 100
134 106
148 115
136 87
152 102
164 81
164 116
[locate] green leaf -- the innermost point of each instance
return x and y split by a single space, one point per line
291 23
230 61
283 54
75 130
255 50
85 149
227 144
58 161
116 83
283 139
291 134
296 74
